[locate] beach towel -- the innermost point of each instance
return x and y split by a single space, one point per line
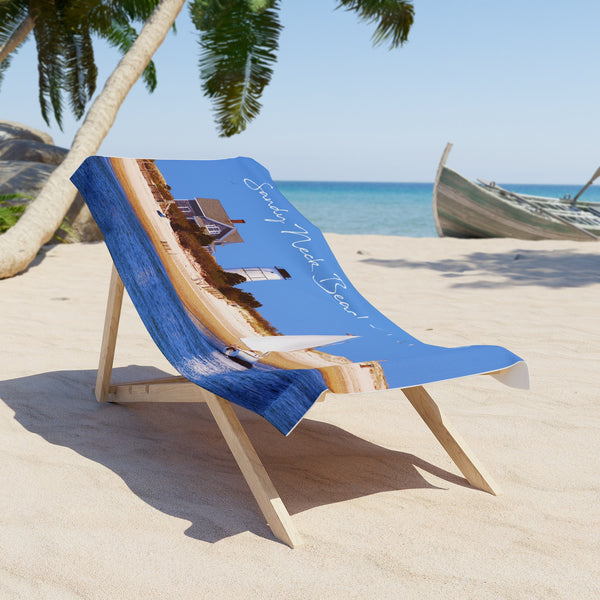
243 295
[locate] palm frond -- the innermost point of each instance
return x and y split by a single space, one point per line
394 18
112 22
238 45
12 14
260 5
3 66
96 14
9 213
51 76
139 10
62 31
80 70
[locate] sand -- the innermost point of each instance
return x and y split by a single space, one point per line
122 502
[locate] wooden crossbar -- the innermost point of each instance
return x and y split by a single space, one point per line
179 389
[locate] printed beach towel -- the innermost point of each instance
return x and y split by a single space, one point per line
243 295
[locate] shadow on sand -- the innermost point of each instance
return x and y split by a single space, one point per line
548 268
173 457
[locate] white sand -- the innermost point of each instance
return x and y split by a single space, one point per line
126 502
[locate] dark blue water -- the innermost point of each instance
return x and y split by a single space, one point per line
388 208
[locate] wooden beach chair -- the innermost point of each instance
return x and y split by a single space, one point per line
278 374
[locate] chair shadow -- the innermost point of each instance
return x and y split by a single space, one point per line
553 269
173 457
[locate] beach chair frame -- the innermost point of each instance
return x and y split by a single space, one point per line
179 389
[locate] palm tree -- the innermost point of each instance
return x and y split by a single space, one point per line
239 39
63 35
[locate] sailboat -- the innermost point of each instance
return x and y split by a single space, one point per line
261 345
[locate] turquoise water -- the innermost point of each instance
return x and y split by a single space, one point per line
387 208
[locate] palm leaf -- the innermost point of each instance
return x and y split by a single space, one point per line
10 213
62 31
51 76
112 22
3 66
139 10
12 14
238 42
394 18
80 70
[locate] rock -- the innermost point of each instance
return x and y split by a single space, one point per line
10 129
23 177
30 150
27 158
81 226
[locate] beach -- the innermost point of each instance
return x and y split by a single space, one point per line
145 501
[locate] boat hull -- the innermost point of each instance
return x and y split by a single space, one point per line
466 210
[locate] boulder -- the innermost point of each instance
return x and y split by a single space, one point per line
31 150
23 177
27 157
81 226
10 129
28 178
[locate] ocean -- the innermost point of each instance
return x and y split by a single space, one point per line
403 209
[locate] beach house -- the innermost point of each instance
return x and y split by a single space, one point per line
209 214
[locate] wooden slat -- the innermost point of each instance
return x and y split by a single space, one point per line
454 445
179 389
109 335
256 476
170 389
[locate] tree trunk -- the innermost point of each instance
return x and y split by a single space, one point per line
20 244
18 36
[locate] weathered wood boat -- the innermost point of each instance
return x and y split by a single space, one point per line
465 209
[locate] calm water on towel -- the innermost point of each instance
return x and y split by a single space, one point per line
387 208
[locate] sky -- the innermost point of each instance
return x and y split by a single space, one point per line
513 85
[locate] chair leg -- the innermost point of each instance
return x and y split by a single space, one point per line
109 335
256 476
454 445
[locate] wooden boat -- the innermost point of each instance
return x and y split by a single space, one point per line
465 209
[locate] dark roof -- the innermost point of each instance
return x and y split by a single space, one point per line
213 209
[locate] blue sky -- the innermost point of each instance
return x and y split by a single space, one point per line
514 85
317 298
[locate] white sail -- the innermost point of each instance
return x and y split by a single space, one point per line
288 343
